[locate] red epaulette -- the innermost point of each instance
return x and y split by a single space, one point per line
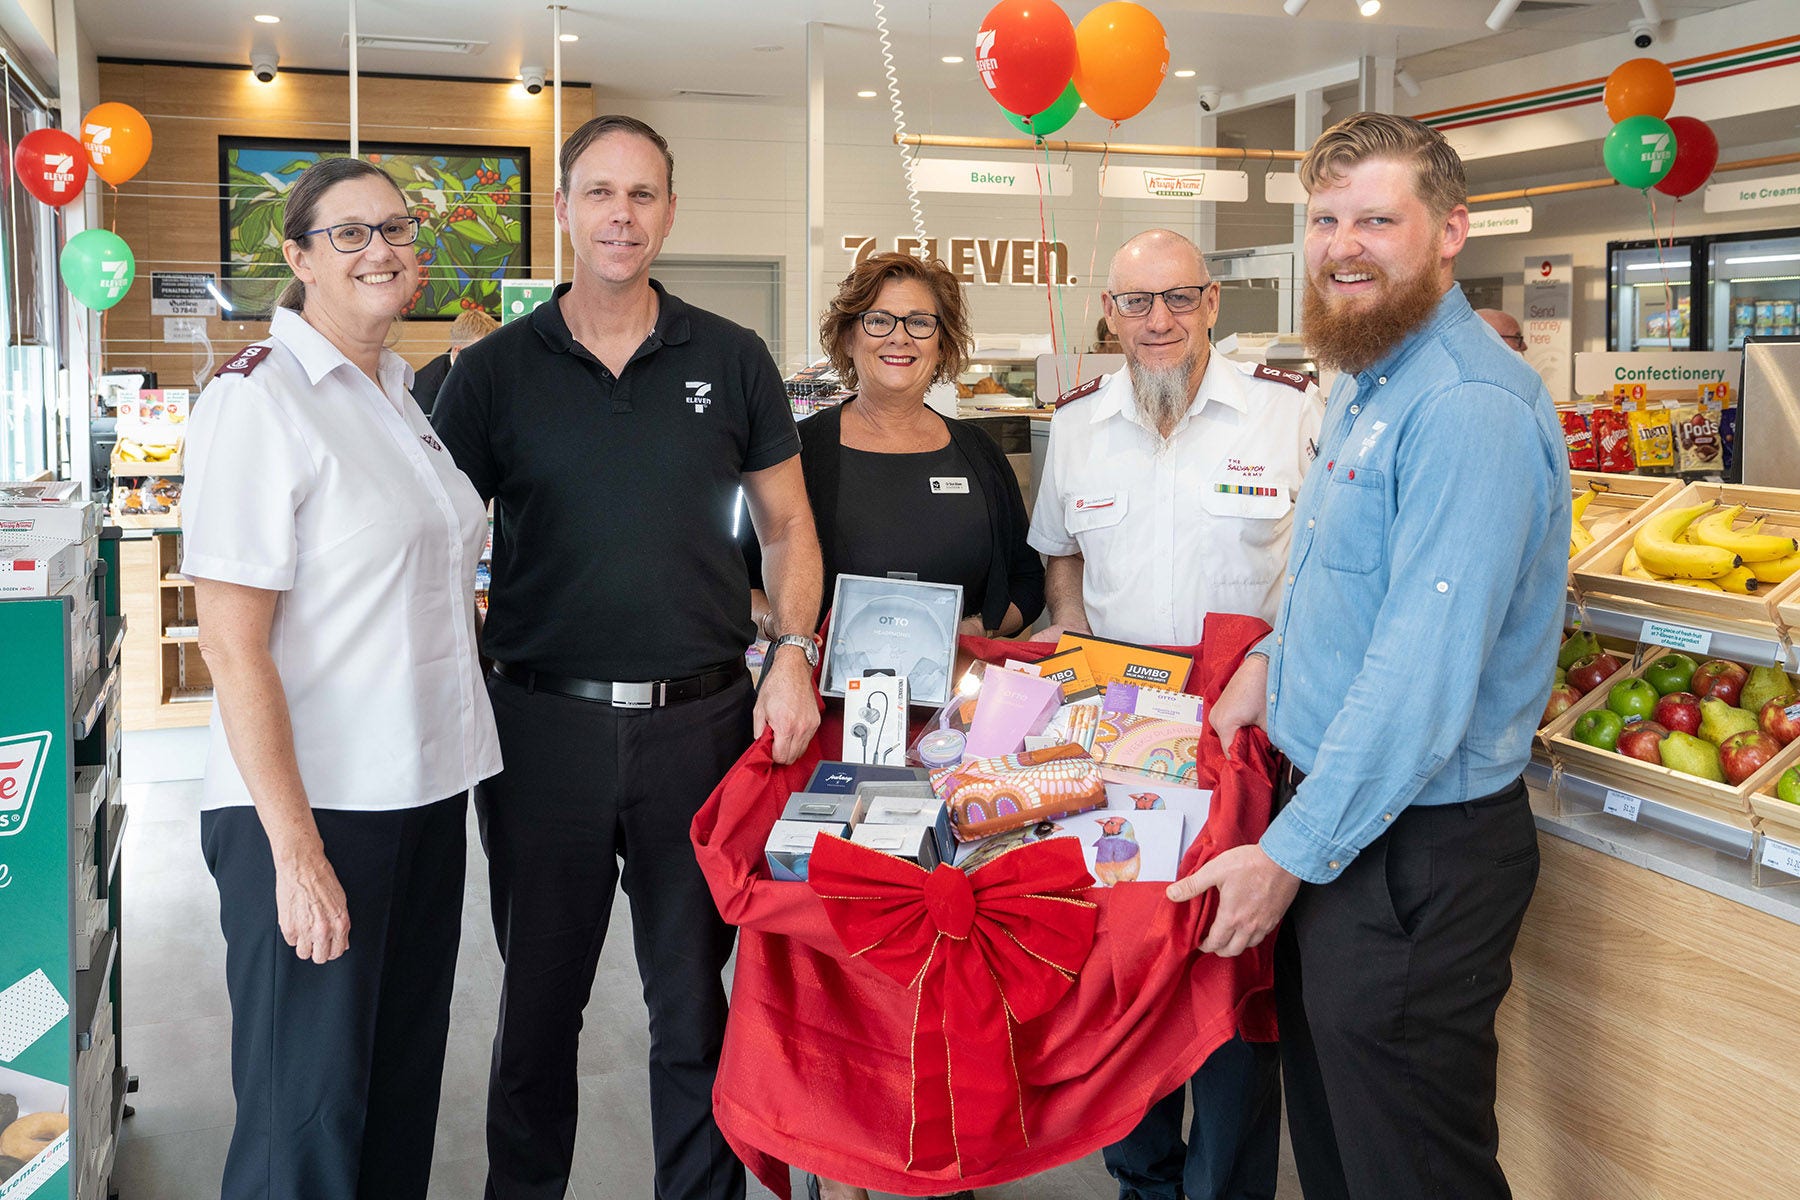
1080 390
244 361
1294 379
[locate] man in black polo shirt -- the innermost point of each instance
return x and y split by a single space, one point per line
613 428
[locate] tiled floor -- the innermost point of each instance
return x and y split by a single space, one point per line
177 1039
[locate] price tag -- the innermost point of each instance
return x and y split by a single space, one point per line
1676 637
1781 857
1621 805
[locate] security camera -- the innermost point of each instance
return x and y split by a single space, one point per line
533 79
263 64
1643 33
1209 99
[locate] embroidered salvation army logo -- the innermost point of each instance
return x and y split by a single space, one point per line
699 395
432 442
21 766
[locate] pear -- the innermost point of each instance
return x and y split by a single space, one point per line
1764 684
1580 644
1719 720
1688 754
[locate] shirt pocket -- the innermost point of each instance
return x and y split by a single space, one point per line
1093 519
1252 547
1353 518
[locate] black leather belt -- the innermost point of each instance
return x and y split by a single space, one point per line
653 694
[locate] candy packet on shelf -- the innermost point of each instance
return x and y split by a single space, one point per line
1579 439
1612 441
1697 432
1652 438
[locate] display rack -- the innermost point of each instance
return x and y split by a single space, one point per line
1616 616
168 685
61 852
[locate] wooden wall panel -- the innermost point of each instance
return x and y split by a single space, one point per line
1649 1046
169 214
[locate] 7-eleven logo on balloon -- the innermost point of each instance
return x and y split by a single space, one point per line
21 766
984 55
61 172
1657 150
97 141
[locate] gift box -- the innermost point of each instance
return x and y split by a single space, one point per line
992 795
1150 746
826 808
790 845
913 843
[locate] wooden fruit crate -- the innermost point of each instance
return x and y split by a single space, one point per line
1621 503
1776 818
1597 574
1719 801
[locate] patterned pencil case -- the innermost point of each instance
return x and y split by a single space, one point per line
992 795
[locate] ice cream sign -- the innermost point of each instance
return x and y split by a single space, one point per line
21 766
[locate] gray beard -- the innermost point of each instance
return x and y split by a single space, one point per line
1163 394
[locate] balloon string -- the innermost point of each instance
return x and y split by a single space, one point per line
1087 299
1043 245
1061 292
1662 265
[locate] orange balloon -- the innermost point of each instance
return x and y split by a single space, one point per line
117 139
1641 87
1121 56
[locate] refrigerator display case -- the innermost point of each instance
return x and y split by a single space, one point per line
1753 287
1650 295
1703 293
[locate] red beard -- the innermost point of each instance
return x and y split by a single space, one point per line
1351 335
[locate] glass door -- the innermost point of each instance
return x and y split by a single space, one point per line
1754 286
1650 296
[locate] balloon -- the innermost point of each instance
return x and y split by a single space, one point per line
117 138
1052 118
1696 154
97 267
1025 52
1639 151
52 166
1122 55
1641 87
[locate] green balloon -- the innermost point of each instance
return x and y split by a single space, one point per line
1051 119
1639 151
97 267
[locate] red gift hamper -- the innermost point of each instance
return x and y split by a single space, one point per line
920 1033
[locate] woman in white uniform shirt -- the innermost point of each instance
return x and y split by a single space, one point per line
333 545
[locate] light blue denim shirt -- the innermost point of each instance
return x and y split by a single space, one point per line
1419 625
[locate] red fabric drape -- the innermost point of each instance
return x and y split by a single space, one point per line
817 1068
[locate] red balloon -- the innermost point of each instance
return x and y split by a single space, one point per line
52 166
1025 52
1696 154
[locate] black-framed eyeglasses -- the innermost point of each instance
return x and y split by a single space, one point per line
1178 299
352 236
877 323
1515 340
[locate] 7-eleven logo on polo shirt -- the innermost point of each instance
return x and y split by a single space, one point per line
21 766
699 394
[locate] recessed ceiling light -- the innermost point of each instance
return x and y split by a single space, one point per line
1369 8
568 37
266 19
1185 74
1083 104
865 95
952 59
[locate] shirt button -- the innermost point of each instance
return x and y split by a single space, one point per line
1278 639
1271 697
1332 865
1309 522
1442 586
1381 379
1290 579
1387 816
1355 408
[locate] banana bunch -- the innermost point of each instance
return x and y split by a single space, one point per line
1701 547
1579 537
132 450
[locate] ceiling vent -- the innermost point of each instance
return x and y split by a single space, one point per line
416 45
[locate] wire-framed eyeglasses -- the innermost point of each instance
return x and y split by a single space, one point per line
352 236
1178 299
877 323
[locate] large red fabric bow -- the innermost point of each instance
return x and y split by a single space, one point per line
984 950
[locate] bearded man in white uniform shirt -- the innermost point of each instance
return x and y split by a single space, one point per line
1168 493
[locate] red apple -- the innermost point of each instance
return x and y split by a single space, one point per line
1780 717
1561 700
1716 677
1744 754
1643 739
1588 673
1678 711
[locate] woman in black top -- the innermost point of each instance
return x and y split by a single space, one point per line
896 488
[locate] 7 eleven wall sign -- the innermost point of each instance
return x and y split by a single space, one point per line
21 766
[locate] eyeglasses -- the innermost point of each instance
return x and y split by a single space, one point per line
1515 340
352 236
877 323
1178 300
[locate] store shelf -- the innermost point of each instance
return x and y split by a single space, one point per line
1581 795
95 693
1621 618
90 985
115 840
175 583
112 638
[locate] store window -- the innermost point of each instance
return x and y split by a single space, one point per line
30 318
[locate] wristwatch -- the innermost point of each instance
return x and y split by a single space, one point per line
807 647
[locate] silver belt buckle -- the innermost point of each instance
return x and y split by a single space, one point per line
633 695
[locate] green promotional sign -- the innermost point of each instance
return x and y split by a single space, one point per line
37 977
520 296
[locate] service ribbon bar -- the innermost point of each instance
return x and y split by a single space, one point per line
1244 489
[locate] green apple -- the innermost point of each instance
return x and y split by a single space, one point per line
1764 684
1688 754
1719 720
1601 728
1580 645
1788 786
1632 698
1670 673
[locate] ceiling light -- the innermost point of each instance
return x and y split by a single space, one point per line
1502 13
1184 74
1656 266
865 95
952 59
1761 258
1369 8
424 45
1292 7
266 19
769 49
1407 83
568 37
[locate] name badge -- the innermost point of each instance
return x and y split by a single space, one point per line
949 485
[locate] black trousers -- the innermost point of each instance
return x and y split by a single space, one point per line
1387 980
586 788
337 1066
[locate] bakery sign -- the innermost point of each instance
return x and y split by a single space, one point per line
991 261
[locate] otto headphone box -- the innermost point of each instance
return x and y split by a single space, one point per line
875 719
901 626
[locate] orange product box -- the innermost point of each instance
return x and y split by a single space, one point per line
1127 662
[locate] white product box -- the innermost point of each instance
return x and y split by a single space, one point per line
875 720
902 810
911 842
40 566
47 510
789 848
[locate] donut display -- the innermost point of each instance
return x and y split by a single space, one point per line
27 1136
9 1166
